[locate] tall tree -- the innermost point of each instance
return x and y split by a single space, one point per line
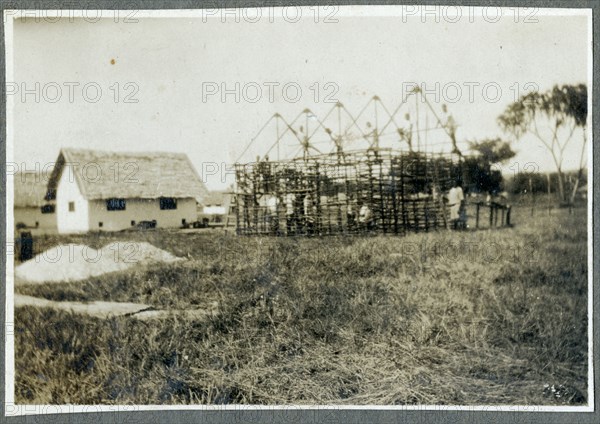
552 117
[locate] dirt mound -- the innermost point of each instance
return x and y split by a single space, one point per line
74 262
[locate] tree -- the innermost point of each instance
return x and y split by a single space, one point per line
492 151
479 166
559 111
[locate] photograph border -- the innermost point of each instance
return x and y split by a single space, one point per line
301 413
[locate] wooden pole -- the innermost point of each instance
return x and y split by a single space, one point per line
570 187
403 196
255 199
318 218
381 201
237 213
415 215
394 204
549 195
496 217
347 186
477 215
532 198
371 186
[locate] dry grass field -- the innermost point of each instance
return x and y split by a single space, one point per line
475 317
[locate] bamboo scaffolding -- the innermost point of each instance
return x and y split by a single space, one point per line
401 189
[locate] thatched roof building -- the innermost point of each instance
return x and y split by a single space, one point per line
111 191
30 189
143 175
31 210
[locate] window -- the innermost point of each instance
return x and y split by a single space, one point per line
168 203
132 223
100 224
48 209
71 206
115 205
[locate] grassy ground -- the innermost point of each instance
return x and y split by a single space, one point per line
486 317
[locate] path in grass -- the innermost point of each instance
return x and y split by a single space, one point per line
107 309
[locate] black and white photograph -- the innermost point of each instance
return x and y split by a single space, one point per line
344 207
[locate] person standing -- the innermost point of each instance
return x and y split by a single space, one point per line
455 201
351 215
365 218
290 213
272 206
309 214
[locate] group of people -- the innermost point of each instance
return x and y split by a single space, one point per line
300 219
454 201
302 212
359 217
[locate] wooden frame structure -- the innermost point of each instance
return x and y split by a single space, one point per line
383 191
393 189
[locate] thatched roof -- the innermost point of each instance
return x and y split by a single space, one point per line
142 175
213 198
30 189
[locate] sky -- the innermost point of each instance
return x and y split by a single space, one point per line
205 85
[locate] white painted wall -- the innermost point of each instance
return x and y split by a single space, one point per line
68 191
214 210
140 210
30 215
88 214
